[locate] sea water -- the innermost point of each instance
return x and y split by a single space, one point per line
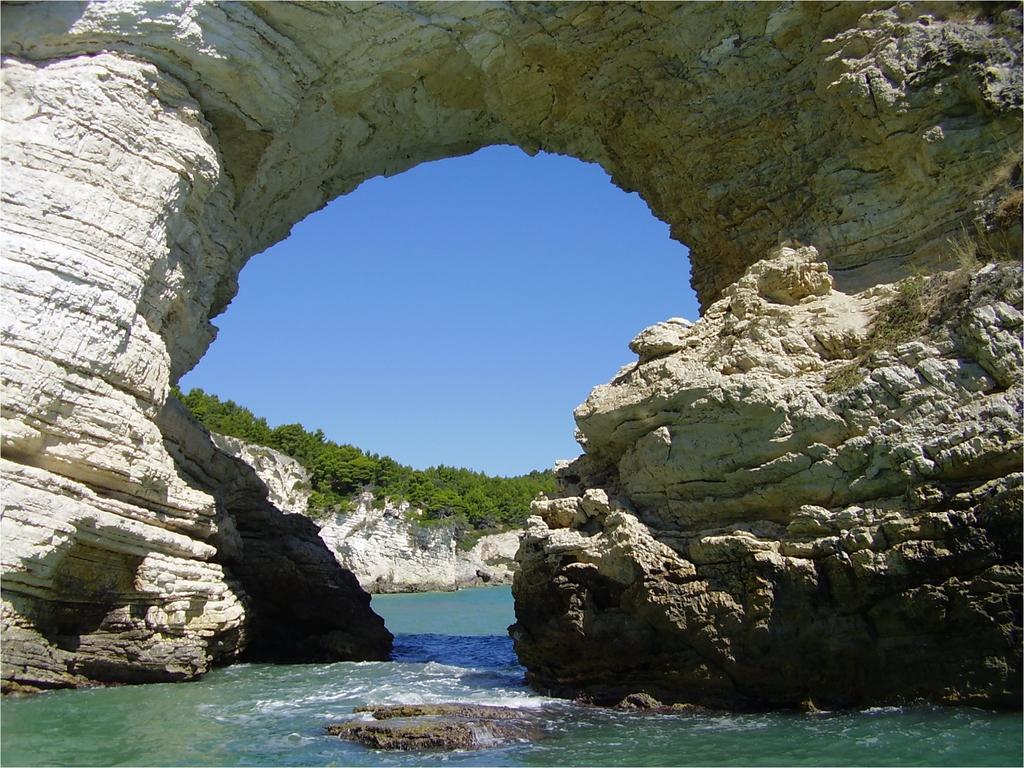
453 647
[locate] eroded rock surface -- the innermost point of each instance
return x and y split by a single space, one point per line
303 605
150 149
438 727
736 536
92 593
389 552
287 481
381 542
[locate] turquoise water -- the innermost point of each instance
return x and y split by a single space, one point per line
453 647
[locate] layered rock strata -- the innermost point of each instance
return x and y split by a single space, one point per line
150 149
91 593
304 606
736 123
738 535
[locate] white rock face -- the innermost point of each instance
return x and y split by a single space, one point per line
492 560
106 187
388 553
385 550
147 592
287 481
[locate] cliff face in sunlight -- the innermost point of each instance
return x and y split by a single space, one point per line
389 553
746 529
150 150
384 547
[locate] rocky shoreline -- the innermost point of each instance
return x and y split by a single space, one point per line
389 552
114 600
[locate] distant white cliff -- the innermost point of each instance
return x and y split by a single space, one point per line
384 547
288 485
388 552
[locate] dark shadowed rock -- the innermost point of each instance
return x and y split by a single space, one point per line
302 605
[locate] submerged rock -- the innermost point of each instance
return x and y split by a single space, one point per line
438 726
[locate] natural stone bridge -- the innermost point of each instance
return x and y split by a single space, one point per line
150 149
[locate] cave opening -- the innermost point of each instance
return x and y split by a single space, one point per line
232 157
452 315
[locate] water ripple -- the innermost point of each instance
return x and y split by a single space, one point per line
260 714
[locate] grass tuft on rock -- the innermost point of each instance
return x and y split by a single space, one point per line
917 309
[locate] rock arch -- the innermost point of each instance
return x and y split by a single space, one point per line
150 149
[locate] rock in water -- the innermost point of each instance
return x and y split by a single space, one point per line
639 701
738 536
143 167
438 726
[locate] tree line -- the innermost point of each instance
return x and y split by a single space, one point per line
470 501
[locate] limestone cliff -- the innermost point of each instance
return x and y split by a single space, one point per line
389 552
92 593
380 542
737 534
287 482
150 149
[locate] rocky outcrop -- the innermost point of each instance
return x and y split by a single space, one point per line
287 481
389 551
382 543
303 605
438 727
143 164
737 535
856 127
92 593
491 560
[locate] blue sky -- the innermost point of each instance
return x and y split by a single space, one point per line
454 314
